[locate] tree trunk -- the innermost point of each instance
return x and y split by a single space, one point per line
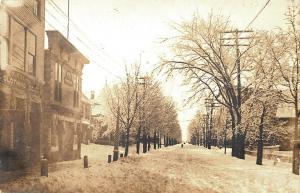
159 141
225 143
233 138
204 138
296 137
167 138
259 157
144 143
154 140
127 141
138 137
242 146
149 142
123 139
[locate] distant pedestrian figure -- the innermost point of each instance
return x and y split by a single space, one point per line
182 145
276 161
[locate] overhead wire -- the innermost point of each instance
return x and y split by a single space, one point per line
83 43
256 16
61 12
86 45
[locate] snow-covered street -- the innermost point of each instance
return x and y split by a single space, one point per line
171 169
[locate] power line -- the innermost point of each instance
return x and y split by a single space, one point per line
260 11
62 13
81 41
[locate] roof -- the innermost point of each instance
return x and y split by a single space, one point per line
67 44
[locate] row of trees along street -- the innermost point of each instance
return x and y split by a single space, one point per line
244 74
137 107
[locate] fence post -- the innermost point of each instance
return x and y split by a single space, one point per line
109 159
85 161
44 167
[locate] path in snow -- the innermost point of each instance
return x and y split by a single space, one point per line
171 169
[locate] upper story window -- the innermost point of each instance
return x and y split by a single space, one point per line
76 91
4 39
31 53
23 46
58 82
18 44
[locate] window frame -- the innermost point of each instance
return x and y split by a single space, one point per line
76 91
12 43
58 82
33 73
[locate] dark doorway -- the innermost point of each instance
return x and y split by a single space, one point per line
35 123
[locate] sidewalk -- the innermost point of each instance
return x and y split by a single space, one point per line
284 156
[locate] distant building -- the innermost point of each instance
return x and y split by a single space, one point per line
22 27
285 115
86 119
63 98
100 128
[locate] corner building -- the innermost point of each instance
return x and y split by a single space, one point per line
62 98
22 27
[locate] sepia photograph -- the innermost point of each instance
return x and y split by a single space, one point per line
149 96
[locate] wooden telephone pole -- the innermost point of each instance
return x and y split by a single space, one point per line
68 27
236 37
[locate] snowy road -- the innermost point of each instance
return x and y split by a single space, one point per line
172 169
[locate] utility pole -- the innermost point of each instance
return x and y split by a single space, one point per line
68 28
235 35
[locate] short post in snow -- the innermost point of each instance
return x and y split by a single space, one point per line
44 167
85 161
109 159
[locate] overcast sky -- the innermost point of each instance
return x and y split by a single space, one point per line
120 31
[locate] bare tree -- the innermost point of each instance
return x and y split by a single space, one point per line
209 67
125 93
285 51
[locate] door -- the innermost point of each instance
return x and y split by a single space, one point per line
35 123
